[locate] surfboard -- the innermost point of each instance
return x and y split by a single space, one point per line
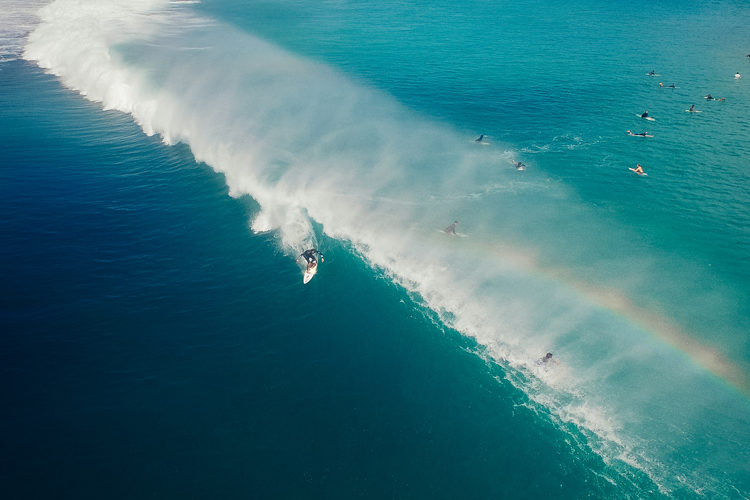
653 74
309 273
694 111
634 170
639 135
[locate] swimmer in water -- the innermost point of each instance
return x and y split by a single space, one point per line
737 76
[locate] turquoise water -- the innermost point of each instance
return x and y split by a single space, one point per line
161 342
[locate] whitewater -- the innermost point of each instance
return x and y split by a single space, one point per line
326 155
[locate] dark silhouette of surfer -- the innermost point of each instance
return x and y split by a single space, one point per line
642 134
546 359
479 139
452 228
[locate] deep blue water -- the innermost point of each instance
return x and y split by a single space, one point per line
158 341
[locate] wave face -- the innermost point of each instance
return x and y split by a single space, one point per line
322 153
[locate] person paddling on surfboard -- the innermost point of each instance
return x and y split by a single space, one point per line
642 134
638 169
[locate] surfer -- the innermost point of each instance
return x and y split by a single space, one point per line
638 169
641 134
452 228
479 139
519 165
546 359
644 114
309 256
737 76
652 73
692 108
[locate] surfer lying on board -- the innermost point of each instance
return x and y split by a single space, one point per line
309 256
452 228
642 134
709 97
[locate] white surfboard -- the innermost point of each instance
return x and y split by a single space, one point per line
694 111
646 117
309 273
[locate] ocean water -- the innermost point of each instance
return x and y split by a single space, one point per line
164 163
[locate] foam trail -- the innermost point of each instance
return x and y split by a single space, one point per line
308 144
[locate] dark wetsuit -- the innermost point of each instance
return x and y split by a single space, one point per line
309 256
